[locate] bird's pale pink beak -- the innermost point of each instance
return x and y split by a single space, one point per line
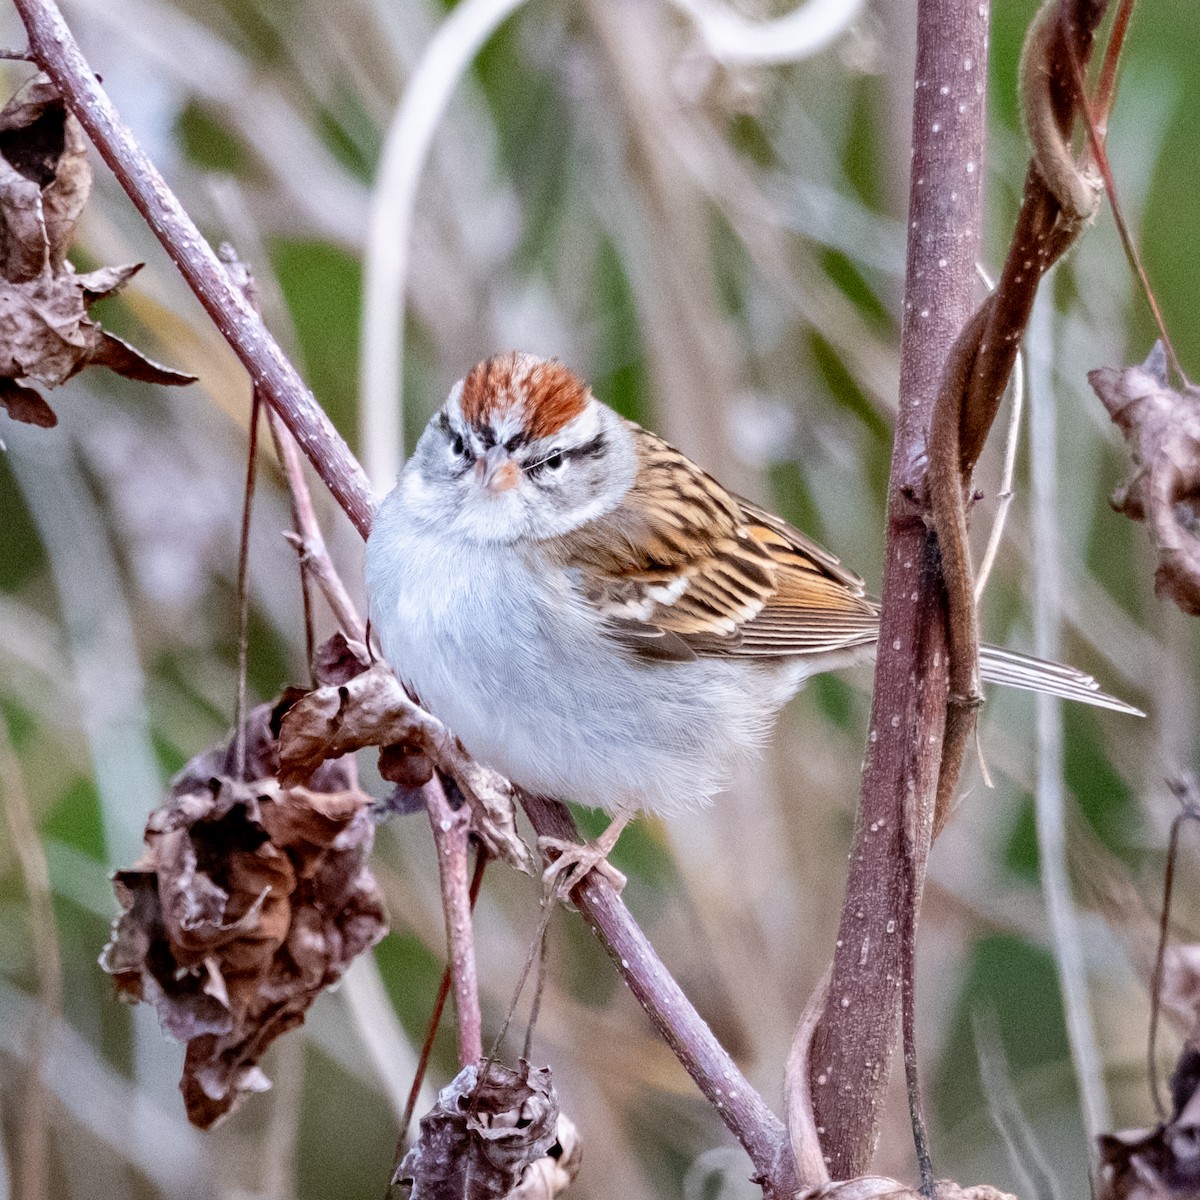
497 472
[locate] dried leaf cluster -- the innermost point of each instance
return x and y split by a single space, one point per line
45 331
1162 427
499 1136
252 898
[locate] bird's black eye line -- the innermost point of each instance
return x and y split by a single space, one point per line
591 449
457 445
559 456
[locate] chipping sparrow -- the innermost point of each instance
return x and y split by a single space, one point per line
596 617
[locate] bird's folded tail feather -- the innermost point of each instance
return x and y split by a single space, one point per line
1012 669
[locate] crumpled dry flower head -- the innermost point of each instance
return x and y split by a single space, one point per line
879 1187
251 899
1162 1163
479 1139
46 335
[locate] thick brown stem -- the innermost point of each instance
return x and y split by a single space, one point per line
854 1045
853 1048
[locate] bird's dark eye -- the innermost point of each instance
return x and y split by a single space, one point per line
555 461
457 446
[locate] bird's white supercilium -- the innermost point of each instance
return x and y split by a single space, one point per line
595 616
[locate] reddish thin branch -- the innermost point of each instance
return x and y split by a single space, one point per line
1060 196
452 835
309 540
739 1106
1095 117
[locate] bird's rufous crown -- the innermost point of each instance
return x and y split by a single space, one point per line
546 393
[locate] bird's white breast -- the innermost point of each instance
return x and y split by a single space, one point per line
499 644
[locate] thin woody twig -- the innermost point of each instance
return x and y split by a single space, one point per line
57 53
1095 118
1184 790
1062 34
285 446
451 835
739 1106
289 458
435 1018
314 557
1106 86
243 590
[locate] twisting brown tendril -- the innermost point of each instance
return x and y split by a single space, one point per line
1060 196
1076 186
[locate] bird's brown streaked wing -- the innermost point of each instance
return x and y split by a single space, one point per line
789 544
683 568
674 562
819 605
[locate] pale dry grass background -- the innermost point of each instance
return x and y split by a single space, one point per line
720 249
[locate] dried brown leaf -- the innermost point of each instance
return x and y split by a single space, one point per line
1162 427
106 281
23 249
479 1138
372 709
250 900
369 709
123 359
43 143
339 659
46 335
405 766
25 405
